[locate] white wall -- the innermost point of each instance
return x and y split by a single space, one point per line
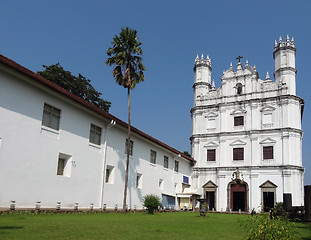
29 153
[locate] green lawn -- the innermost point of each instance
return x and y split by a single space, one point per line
181 225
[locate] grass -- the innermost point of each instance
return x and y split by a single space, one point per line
178 225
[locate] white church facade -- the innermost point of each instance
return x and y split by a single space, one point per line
59 150
247 136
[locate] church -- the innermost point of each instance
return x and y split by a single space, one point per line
59 151
246 135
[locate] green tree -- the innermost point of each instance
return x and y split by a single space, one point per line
151 202
78 85
125 56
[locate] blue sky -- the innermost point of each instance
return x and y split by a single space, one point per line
78 33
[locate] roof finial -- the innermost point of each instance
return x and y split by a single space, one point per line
267 76
202 57
207 57
197 58
213 84
246 63
280 39
293 40
275 43
254 67
287 38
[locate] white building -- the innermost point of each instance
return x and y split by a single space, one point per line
247 136
58 149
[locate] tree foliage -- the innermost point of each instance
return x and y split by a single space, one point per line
151 202
262 227
78 85
125 55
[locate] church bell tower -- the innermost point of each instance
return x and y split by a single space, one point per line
202 77
284 59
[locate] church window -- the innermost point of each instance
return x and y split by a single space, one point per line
211 155
131 147
267 152
176 166
239 88
63 166
153 157
95 134
238 154
51 116
165 164
239 121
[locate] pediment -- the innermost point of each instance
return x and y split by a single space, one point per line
211 144
211 114
267 108
228 74
239 111
237 142
210 184
268 184
267 141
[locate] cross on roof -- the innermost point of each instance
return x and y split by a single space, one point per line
239 57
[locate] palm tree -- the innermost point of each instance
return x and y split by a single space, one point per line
125 55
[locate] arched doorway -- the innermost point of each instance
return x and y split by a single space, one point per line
237 193
238 196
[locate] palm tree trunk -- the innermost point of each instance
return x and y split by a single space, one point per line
127 149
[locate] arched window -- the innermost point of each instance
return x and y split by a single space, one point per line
239 88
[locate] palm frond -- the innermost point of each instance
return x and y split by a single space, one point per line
125 53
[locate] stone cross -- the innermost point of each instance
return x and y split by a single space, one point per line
239 57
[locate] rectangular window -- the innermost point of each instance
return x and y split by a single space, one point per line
267 152
176 166
139 181
51 116
109 174
153 156
161 183
131 147
63 165
95 134
239 121
185 179
238 154
165 164
211 155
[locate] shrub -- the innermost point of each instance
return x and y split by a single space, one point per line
151 202
261 227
